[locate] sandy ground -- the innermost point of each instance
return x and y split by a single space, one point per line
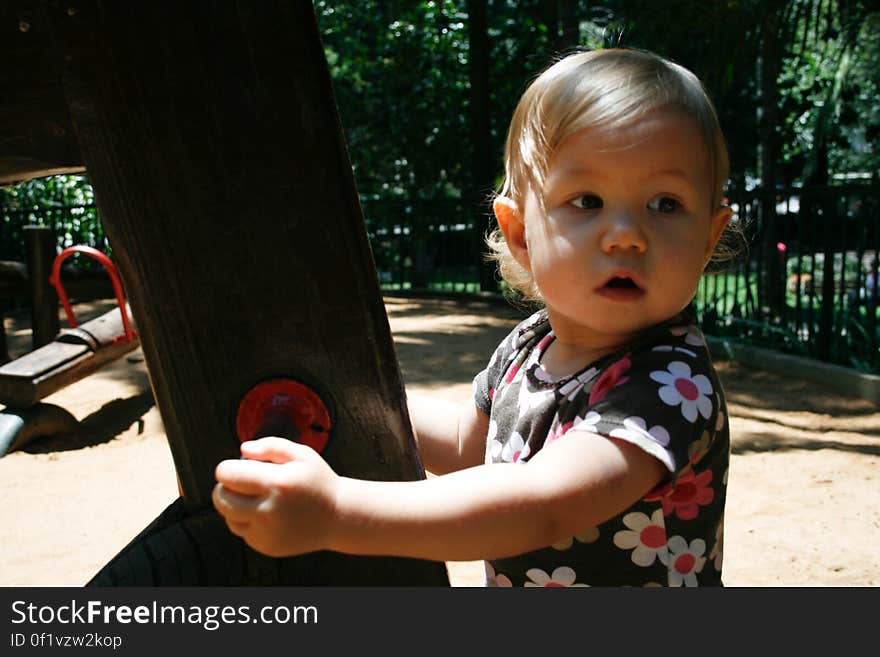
803 506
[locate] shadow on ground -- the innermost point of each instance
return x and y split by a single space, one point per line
100 427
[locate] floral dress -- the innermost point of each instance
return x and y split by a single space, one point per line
661 394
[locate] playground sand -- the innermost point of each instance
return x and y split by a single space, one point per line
804 484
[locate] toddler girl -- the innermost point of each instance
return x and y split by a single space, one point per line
596 448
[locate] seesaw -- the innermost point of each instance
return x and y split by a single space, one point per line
211 136
71 356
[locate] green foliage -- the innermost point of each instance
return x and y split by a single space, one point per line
400 78
51 192
829 83
66 203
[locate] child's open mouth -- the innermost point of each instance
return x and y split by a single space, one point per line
621 288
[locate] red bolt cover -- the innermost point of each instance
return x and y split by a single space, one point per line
285 408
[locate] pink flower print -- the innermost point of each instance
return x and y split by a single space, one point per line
547 339
679 387
557 432
589 423
646 537
611 377
562 577
511 372
685 561
691 491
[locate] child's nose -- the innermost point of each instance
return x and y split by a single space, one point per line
623 233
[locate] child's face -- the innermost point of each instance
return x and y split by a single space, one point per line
626 228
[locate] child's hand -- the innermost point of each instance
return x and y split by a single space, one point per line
280 500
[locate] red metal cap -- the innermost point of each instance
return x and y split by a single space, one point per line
286 408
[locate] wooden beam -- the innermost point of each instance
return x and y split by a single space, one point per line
36 134
212 140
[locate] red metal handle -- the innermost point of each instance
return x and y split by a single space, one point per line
55 279
285 408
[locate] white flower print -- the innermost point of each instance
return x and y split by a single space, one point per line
590 422
634 427
693 335
667 347
634 430
685 561
646 535
491 443
493 579
542 375
512 451
570 389
530 399
562 577
679 387
590 535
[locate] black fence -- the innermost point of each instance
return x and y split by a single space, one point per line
426 244
805 282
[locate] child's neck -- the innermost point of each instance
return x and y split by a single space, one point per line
574 348
562 359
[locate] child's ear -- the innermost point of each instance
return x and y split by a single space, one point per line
511 223
719 222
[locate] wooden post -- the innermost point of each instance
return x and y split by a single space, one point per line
210 134
40 251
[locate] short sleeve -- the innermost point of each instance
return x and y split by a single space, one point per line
488 380
663 399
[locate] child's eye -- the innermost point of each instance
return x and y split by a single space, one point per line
664 204
586 202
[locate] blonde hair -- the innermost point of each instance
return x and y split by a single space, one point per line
599 88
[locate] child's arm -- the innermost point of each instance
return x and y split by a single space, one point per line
292 502
450 436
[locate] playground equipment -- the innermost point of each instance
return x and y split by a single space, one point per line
271 280
71 356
